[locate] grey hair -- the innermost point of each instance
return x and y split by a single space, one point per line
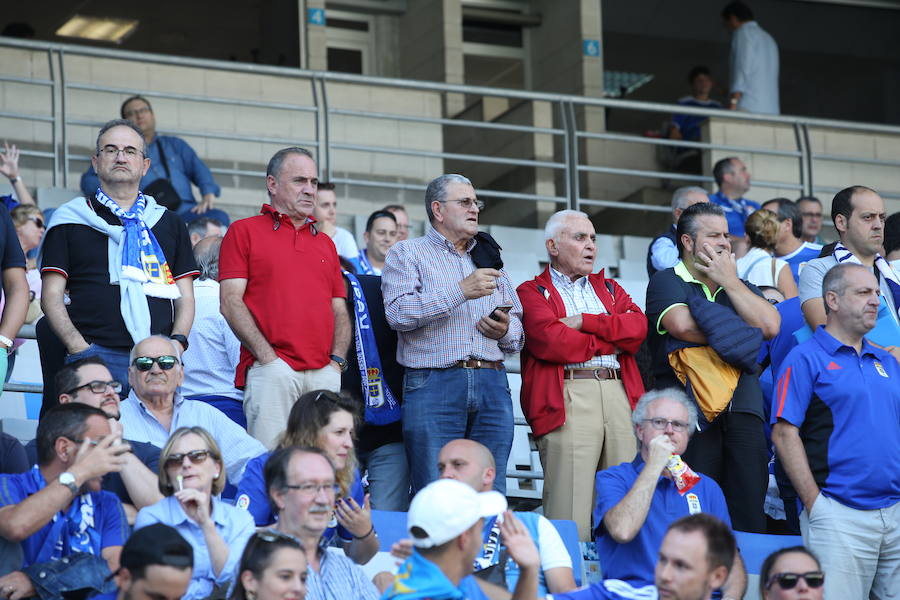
207 257
120 123
200 225
679 197
274 166
672 393
437 190
175 346
556 221
835 280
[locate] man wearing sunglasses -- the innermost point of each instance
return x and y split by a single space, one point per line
836 428
88 381
154 408
638 500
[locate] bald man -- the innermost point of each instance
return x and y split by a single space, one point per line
472 463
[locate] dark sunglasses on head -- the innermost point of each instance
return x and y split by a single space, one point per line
196 456
787 581
145 363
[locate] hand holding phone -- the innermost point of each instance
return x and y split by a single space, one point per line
501 308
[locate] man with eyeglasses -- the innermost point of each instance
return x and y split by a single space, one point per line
88 381
638 500
811 212
65 524
836 428
302 488
115 266
457 316
155 408
172 160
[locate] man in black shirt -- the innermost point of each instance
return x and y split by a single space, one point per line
148 288
732 450
15 288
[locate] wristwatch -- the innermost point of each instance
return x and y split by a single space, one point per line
181 339
342 362
68 480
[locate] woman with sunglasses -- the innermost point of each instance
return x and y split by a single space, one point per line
323 420
791 574
273 567
191 477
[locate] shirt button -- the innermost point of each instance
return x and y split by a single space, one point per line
42 574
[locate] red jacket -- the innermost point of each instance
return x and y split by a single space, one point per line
550 345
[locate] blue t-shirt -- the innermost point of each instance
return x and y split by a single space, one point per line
847 408
609 589
736 211
689 125
635 561
252 496
418 578
799 257
110 526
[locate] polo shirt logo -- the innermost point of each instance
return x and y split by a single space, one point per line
833 366
880 369
693 503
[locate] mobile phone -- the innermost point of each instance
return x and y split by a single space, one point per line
502 308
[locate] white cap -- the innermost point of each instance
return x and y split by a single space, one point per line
445 508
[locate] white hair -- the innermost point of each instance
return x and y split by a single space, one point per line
176 346
556 222
679 197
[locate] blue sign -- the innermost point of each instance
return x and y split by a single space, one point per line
315 16
591 48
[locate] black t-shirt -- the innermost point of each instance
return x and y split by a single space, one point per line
12 255
80 253
667 288
112 482
12 455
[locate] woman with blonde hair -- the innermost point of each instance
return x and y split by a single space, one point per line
758 266
324 420
191 477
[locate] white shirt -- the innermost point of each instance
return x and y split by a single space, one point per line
754 69
344 243
213 350
756 267
579 297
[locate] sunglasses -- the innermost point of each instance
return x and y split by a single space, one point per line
37 221
272 535
196 456
787 581
145 363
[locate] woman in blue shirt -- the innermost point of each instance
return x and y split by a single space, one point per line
191 476
324 420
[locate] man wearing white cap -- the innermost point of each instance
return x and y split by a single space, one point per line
445 522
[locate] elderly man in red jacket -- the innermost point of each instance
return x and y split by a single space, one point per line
579 377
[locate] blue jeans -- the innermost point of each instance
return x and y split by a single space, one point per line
233 409
388 476
441 405
116 361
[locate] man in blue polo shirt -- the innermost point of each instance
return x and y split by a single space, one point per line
637 501
836 416
789 244
733 180
57 509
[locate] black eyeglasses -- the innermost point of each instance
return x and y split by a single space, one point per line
787 581
111 151
97 386
145 363
196 457
39 222
661 424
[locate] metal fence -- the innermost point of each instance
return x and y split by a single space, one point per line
569 165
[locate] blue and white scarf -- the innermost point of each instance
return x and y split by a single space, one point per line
365 266
133 287
381 406
842 255
72 530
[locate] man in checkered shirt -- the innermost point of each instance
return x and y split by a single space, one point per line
455 323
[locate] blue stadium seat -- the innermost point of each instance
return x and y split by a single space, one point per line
755 547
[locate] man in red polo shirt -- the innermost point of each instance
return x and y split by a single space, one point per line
283 295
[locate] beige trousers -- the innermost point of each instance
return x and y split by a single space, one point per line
270 393
597 434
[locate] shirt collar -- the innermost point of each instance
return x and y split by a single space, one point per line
831 344
206 283
268 209
437 238
564 280
682 271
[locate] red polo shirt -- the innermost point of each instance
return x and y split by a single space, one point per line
292 275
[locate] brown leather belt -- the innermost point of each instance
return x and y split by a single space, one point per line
598 374
474 363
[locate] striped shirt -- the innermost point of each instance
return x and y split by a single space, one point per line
579 297
424 303
338 578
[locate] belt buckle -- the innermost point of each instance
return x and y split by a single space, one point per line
597 374
471 363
